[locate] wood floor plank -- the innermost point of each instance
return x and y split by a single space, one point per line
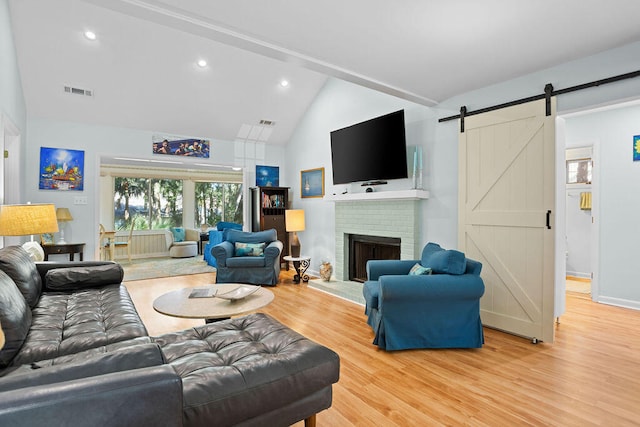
589 377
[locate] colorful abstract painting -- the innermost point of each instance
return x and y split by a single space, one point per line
61 169
636 148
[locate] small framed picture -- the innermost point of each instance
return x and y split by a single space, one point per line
267 176
46 238
312 183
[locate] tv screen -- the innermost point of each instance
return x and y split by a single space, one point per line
370 151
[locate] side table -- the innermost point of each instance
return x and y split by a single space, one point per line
63 248
300 264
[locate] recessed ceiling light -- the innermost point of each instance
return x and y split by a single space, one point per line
284 83
90 35
202 63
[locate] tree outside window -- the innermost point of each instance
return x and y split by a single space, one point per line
218 201
153 203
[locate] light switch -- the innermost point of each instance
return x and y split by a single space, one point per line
80 200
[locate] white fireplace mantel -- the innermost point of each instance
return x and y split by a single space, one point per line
378 195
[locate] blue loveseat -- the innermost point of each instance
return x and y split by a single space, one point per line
437 310
249 264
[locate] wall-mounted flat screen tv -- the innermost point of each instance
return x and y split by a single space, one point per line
373 150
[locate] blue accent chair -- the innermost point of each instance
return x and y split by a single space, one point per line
256 270
437 310
216 236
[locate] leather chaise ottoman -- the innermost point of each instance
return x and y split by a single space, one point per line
250 370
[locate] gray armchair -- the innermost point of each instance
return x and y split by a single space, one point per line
248 257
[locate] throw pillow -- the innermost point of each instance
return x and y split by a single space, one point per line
178 234
249 249
70 278
447 262
418 270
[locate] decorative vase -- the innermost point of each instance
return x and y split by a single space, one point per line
325 271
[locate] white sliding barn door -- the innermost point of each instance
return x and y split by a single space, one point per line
507 188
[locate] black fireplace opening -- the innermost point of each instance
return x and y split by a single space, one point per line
364 248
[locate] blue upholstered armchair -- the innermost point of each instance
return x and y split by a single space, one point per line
439 308
216 236
248 257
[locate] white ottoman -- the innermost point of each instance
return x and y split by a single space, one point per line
183 249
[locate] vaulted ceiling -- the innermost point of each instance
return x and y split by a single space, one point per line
142 69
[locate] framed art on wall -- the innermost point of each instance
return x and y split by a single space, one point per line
61 169
191 147
267 176
312 183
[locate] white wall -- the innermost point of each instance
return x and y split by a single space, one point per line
97 141
337 105
12 115
12 102
612 132
616 264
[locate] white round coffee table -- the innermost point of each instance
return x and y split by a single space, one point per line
178 304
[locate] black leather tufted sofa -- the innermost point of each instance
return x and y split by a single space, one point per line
77 353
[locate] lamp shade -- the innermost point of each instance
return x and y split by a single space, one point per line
294 219
21 220
63 214
1 338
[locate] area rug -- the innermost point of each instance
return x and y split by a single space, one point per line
351 291
152 268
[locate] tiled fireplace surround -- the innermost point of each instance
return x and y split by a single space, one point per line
386 218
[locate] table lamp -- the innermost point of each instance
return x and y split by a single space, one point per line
22 220
63 215
294 221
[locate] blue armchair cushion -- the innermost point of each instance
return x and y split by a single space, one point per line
266 236
223 225
443 261
249 249
178 234
418 270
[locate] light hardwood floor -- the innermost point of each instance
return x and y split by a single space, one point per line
589 377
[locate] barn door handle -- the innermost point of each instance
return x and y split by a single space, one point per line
549 219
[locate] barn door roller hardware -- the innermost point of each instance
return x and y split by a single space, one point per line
548 93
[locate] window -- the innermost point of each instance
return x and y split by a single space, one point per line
579 171
218 201
154 203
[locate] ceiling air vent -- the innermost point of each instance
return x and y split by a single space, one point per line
78 91
267 122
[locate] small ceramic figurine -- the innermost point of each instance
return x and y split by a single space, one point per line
325 271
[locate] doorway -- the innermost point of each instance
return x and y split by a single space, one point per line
579 218
10 141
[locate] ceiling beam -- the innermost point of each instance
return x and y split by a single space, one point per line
182 20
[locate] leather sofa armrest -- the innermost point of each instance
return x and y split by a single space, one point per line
134 357
148 396
377 268
44 266
221 252
272 251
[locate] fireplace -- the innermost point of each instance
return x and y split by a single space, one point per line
364 248
399 219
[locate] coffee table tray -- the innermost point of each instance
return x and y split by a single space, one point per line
238 293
